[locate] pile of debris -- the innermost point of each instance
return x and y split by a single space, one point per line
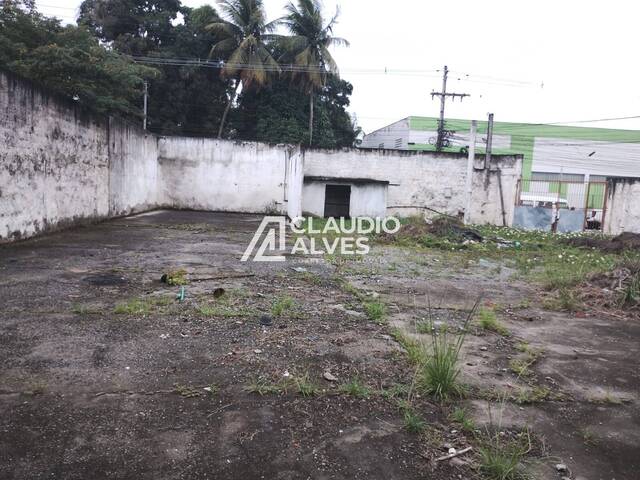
443 227
618 289
624 241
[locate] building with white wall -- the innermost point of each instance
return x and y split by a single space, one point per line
549 151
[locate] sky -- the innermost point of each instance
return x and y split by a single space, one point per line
526 61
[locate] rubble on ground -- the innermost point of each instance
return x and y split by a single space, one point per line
624 241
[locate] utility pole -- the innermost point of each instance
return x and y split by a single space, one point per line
440 143
487 160
146 95
469 179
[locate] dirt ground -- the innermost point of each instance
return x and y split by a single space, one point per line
105 374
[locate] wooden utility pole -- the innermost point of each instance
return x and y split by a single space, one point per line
146 95
440 143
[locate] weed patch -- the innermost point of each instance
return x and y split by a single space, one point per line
462 417
488 320
356 388
175 277
375 310
413 422
281 305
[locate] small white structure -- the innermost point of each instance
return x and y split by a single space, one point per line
344 197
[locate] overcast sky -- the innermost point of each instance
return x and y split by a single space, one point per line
559 61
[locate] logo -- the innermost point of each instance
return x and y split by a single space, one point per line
274 235
315 236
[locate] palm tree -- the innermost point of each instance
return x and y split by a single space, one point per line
243 37
309 45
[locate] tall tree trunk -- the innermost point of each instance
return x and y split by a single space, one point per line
228 107
311 118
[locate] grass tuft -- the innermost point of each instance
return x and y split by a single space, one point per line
416 351
133 307
488 320
355 388
438 376
461 416
413 422
305 387
375 310
501 462
263 387
281 305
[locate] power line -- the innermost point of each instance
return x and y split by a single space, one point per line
443 98
55 6
217 64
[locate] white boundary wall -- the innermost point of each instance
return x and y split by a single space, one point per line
623 206
61 166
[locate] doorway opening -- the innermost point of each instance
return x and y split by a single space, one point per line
337 201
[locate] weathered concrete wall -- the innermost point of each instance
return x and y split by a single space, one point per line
495 188
133 170
419 181
220 175
622 206
294 178
60 165
367 200
54 166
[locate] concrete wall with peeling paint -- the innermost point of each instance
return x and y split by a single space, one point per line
425 182
62 166
54 167
622 205
221 175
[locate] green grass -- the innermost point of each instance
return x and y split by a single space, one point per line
264 387
134 306
375 310
305 387
281 305
630 294
415 350
438 376
534 395
541 257
488 320
588 437
437 361
413 422
395 392
424 327
176 277
224 310
564 299
501 461
462 417
187 391
142 306
520 366
355 388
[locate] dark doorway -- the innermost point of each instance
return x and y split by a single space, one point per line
337 199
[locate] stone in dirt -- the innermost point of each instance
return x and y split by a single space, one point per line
266 320
328 376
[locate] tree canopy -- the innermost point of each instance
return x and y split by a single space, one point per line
117 45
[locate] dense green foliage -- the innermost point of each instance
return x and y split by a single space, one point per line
98 64
70 61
